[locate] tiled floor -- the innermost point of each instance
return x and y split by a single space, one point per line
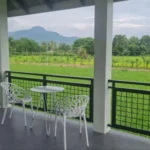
13 136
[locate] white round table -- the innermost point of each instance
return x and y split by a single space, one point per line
44 90
47 89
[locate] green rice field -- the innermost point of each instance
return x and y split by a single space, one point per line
141 76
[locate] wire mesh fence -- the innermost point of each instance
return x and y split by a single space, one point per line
80 86
131 108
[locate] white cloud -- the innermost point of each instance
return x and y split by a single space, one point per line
130 21
81 26
89 18
128 18
128 25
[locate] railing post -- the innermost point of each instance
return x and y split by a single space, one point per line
9 77
44 94
44 80
91 100
113 104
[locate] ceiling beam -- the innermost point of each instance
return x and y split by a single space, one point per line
82 2
23 5
49 3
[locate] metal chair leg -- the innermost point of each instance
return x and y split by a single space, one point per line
32 109
80 124
86 133
24 113
4 115
55 125
11 111
47 126
64 122
34 115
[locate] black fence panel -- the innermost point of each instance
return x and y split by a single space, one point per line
72 85
130 107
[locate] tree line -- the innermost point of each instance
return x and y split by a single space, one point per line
83 45
122 46
132 46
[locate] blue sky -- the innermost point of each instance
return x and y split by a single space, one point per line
131 18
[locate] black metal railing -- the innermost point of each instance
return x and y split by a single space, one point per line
72 85
130 106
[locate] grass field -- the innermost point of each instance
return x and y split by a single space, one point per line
141 76
127 108
117 74
128 75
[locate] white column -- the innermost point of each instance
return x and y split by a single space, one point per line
103 62
4 50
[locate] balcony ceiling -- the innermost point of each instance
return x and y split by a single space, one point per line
25 7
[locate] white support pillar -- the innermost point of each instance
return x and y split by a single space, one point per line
4 50
103 62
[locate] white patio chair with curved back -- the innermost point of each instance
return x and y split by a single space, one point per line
71 107
15 95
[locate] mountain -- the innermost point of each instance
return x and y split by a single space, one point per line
40 35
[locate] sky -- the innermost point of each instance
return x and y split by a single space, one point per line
131 18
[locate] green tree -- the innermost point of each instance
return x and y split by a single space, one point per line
120 44
82 53
134 40
145 40
64 47
86 43
23 45
44 47
52 46
134 46
11 45
143 49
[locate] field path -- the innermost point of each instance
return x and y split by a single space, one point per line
132 69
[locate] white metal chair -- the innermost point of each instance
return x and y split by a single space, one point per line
73 106
15 95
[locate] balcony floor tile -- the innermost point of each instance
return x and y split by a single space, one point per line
13 136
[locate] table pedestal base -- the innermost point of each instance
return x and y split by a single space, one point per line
47 113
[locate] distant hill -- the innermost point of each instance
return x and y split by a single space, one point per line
40 35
